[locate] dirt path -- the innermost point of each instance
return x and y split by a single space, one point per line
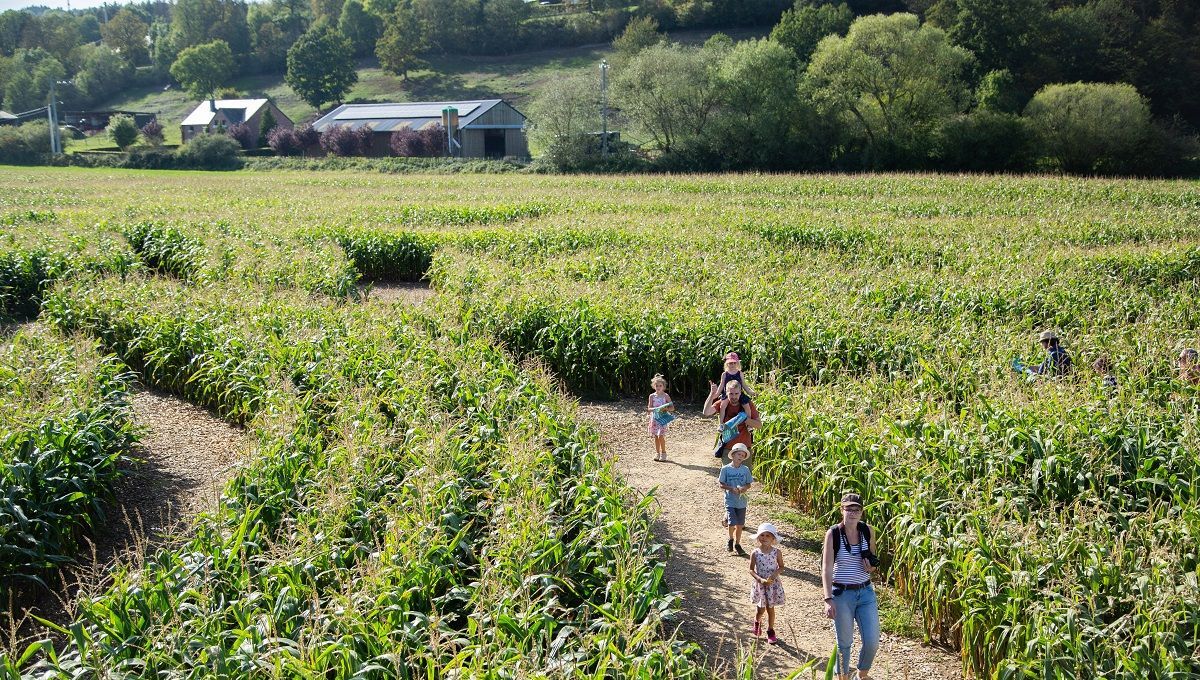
187 455
415 294
717 613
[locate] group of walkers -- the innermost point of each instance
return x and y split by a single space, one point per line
1058 363
848 557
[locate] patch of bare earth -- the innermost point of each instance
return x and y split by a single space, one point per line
716 609
185 457
408 293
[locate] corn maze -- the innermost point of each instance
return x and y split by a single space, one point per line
422 500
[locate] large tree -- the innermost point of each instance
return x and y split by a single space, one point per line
32 71
801 28
127 34
670 92
194 22
359 26
1091 127
891 80
202 69
757 84
565 113
102 73
402 41
320 66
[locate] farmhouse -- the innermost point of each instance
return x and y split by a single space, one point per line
485 128
218 114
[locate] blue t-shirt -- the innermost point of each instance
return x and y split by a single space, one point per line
735 476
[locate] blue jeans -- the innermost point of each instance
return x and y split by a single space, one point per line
856 605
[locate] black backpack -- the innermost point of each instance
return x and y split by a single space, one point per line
840 538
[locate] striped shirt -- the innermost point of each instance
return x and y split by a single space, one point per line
848 564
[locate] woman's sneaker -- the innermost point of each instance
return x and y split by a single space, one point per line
757 628
771 639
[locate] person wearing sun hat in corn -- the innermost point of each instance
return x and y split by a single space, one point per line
848 559
1057 362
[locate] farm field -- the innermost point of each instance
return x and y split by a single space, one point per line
421 495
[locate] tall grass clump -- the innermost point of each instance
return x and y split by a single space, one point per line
166 250
387 256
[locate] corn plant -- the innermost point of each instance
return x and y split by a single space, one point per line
65 432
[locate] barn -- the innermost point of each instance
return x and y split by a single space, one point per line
487 128
220 114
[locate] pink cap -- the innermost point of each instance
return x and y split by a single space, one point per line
732 356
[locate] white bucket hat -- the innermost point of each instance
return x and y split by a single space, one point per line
767 528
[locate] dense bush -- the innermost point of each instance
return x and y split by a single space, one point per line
1091 128
122 131
340 140
284 142
307 136
152 133
985 141
438 165
153 158
426 142
210 152
244 135
365 137
574 29
24 144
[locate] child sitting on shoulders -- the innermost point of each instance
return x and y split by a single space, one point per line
733 372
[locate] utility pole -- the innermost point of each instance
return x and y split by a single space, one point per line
55 140
604 106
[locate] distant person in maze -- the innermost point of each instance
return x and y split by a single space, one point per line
736 416
847 561
1057 362
1189 366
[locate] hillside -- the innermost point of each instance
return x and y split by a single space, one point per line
515 78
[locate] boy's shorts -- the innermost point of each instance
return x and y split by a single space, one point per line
736 516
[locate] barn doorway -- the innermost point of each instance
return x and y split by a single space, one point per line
493 144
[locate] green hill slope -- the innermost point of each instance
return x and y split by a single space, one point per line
514 78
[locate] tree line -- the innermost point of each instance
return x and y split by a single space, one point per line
964 84
977 85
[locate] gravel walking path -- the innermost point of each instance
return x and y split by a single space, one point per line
716 609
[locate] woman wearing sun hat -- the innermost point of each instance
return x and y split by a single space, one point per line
848 559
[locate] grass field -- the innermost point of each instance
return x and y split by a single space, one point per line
1046 528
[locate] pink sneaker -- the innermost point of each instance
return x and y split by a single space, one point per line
771 639
757 629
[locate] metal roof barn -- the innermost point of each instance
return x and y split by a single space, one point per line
487 128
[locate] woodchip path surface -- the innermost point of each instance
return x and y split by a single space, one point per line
715 585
